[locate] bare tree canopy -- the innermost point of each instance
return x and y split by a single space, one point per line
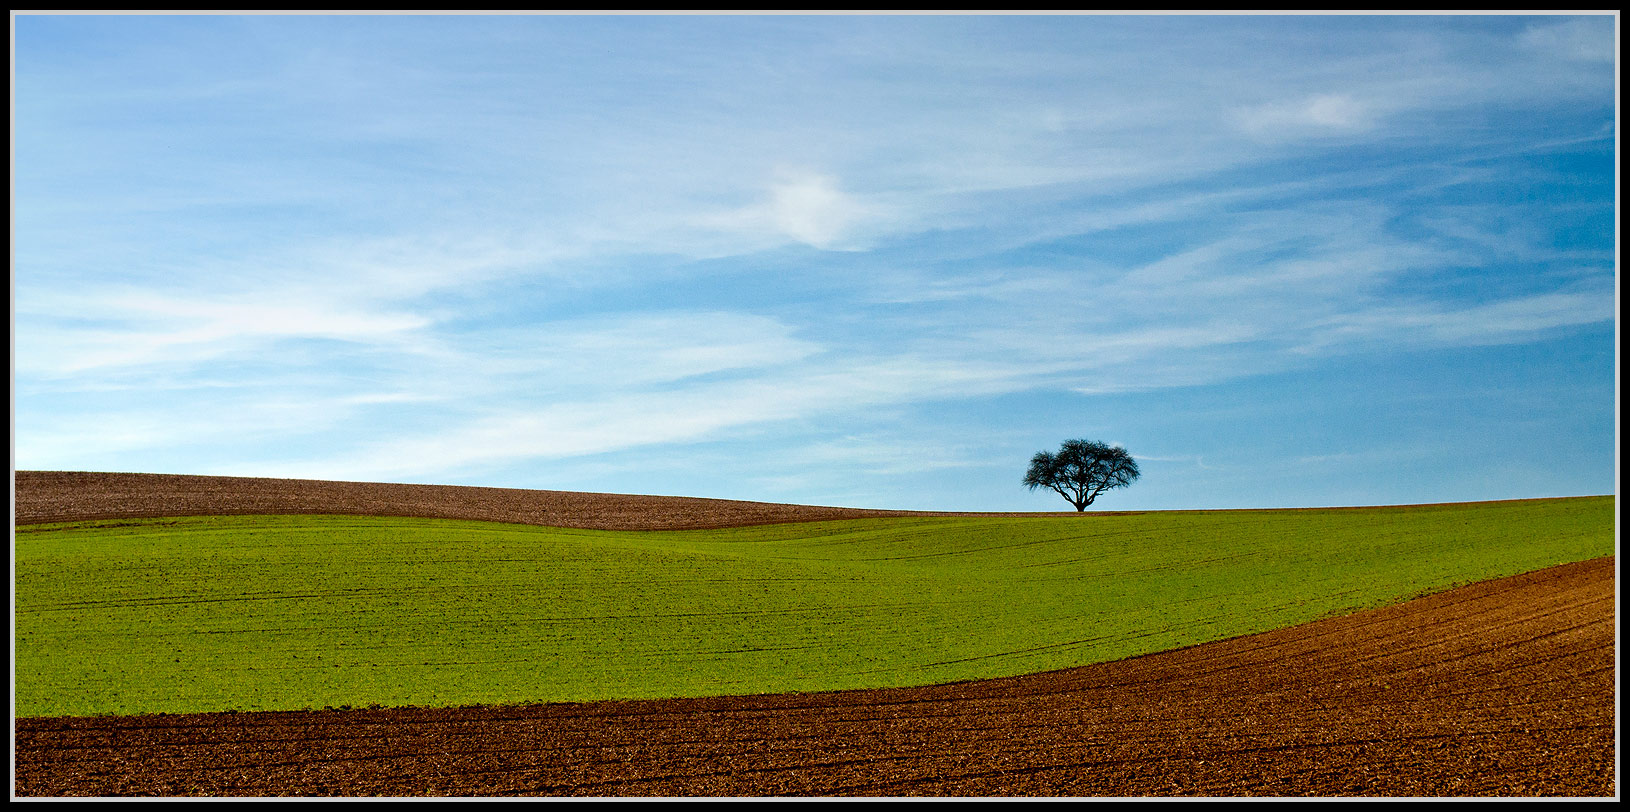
1081 470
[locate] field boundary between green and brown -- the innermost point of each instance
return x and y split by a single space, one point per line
46 497
1499 688
68 496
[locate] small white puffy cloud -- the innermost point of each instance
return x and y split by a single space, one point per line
1324 113
807 207
812 209
1341 112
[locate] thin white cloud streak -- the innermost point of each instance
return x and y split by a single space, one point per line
1581 39
384 295
1506 321
684 415
211 431
169 331
628 351
617 361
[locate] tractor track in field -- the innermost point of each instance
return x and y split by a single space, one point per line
1500 688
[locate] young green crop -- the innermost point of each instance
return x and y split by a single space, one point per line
290 612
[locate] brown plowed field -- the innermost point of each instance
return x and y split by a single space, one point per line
1501 688
62 496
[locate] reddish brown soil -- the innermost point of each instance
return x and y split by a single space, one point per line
1501 688
62 496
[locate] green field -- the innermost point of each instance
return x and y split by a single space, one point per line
290 612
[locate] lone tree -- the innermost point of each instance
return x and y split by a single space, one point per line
1081 470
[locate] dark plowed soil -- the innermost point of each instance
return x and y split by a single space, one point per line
61 496
1500 688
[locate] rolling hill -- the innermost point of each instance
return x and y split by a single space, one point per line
927 579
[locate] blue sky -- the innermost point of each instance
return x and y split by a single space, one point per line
875 261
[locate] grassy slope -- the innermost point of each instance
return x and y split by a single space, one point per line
294 612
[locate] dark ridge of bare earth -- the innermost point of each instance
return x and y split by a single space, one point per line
1502 688
63 496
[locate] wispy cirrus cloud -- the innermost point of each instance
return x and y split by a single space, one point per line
140 328
1581 39
1506 321
694 412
